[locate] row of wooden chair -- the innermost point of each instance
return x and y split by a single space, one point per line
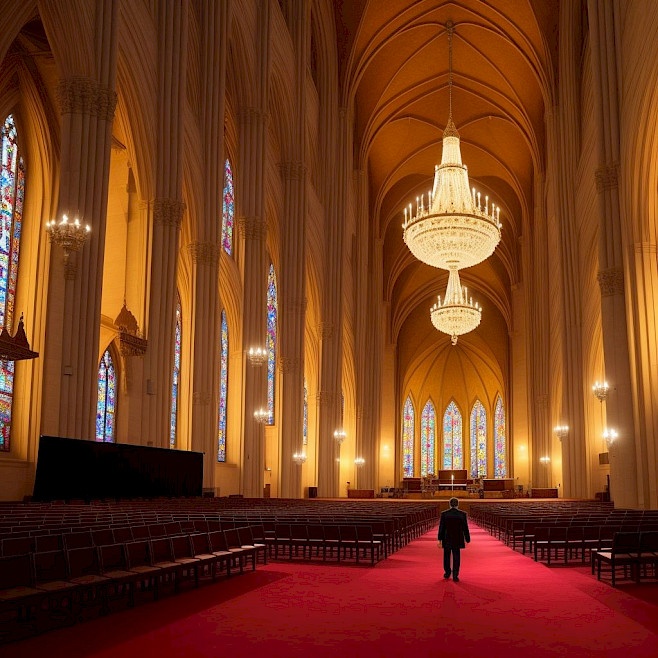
636 552
45 589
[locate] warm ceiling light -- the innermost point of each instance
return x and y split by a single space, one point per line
600 390
457 228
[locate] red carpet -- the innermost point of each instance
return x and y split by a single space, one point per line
505 605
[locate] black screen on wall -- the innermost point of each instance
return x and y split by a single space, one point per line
75 469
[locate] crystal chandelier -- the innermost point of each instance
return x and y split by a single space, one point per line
257 356
457 314
561 431
71 236
455 230
600 390
340 435
261 415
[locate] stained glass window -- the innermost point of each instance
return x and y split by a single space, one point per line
427 439
500 440
12 194
106 406
478 441
228 209
223 390
408 439
175 388
305 427
453 455
271 341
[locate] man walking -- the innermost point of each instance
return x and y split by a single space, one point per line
453 532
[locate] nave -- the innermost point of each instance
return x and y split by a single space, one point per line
504 605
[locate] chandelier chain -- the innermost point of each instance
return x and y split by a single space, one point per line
450 27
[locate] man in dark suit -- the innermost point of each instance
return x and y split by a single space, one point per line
453 532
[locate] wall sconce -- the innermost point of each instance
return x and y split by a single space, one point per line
561 431
600 390
257 356
359 461
299 458
610 436
545 460
340 435
261 415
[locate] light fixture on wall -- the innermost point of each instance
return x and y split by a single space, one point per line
299 458
70 236
561 431
257 356
545 460
600 390
455 229
359 461
261 415
610 436
340 435
457 314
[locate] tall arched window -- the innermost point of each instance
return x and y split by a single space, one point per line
500 440
107 399
175 388
223 390
427 439
453 454
228 209
12 194
478 441
408 439
305 425
272 308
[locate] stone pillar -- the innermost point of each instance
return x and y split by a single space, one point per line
619 405
563 141
539 332
253 230
205 252
87 105
167 213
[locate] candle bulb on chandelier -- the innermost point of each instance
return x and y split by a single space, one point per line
479 203
486 204
473 196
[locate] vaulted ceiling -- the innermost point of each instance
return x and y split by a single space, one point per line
394 70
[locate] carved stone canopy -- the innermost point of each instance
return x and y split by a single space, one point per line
16 347
131 341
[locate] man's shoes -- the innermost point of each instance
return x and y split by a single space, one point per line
455 579
446 576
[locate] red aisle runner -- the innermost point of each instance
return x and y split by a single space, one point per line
504 605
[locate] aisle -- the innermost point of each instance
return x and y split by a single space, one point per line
504 605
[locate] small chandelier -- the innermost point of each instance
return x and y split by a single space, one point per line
299 458
261 416
71 236
455 230
257 356
340 435
359 461
600 390
457 314
561 431
610 436
545 460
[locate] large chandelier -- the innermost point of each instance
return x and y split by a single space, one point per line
457 314
455 230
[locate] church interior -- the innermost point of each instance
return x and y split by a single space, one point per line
334 250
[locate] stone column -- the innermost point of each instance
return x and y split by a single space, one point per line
619 405
167 212
539 331
563 141
205 251
87 105
253 230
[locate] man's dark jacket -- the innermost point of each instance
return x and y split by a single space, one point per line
453 528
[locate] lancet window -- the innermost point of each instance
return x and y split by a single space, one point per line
12 195
228 209
223 389
427 439
272 310
107 400
453 454
408 422
175 388
500 440
478 441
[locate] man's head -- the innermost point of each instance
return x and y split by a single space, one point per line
454 502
